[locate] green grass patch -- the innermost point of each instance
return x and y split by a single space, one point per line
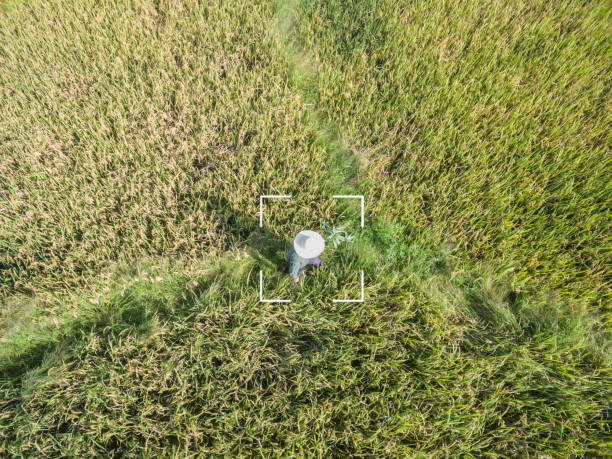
433 362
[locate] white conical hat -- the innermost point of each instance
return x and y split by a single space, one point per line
308 244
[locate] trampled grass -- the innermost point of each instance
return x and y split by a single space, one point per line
135 139
189 364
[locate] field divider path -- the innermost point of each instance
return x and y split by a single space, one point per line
343 165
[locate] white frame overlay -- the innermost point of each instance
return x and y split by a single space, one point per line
353 301
264 196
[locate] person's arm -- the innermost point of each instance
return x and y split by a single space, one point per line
294 265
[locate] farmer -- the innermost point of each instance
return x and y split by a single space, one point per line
306 248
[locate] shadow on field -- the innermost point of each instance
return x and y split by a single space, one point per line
136 310
265 244
117 315
267 249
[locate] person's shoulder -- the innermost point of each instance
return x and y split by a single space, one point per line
291 253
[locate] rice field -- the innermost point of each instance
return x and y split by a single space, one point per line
135 140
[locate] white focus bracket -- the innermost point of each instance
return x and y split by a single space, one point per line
353 301
264 196
352 196
261 299
284 196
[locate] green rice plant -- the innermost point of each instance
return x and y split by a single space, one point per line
195 362
480 124
336 234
